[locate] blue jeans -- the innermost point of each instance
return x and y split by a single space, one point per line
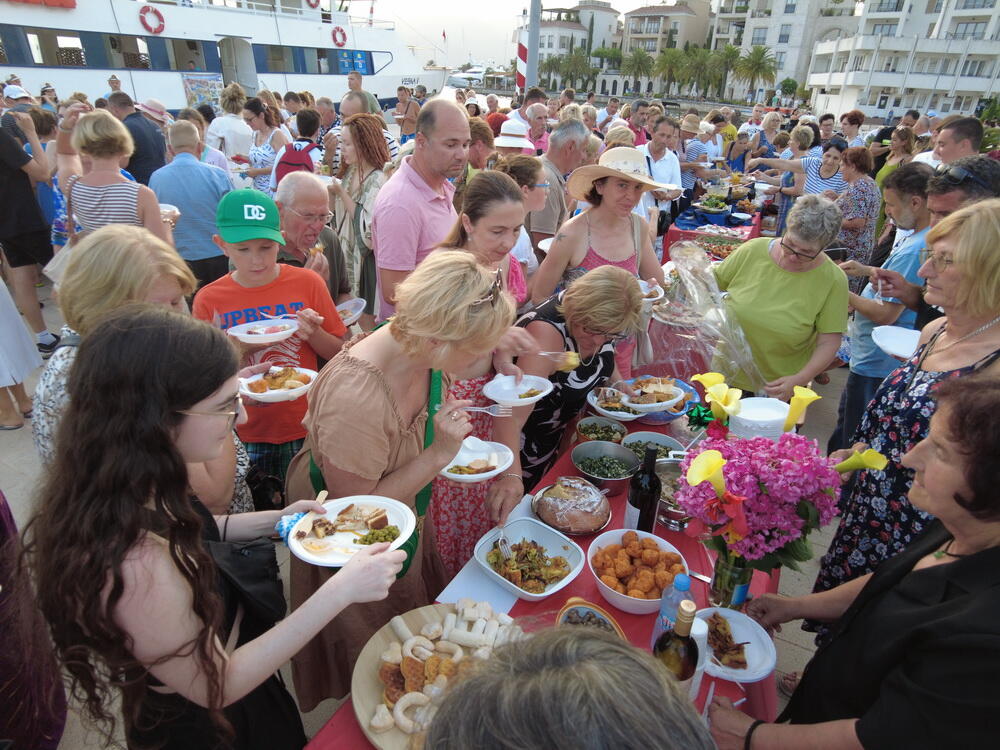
858 393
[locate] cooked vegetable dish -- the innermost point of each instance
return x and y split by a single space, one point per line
606 467
601 432
530 568
385 534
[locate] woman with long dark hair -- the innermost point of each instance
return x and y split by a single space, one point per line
134 599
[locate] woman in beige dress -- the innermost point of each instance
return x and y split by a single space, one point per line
368 434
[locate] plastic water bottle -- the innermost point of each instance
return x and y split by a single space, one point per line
671 600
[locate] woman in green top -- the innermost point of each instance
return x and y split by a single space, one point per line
900 152
789 298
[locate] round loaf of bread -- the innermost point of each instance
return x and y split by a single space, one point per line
573 506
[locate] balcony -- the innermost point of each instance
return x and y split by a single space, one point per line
975 4
761 13
739 10
967 35
895 6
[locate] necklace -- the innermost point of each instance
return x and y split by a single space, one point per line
984 327
944 551
931 344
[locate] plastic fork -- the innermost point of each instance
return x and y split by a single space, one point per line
504 546
494 410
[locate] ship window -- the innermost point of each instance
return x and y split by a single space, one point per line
279 59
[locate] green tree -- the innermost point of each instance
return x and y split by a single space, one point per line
757 65
669 66
611 55
590 34
726 58
637 64
698 68
575 66
550 66
788 87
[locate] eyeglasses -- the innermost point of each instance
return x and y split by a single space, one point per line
957 175
494 293
232 414
540 185
613 338
314 218
940 261
798 254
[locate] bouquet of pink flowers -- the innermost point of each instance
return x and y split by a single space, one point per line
759 499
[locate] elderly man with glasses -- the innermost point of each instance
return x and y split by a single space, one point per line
304 207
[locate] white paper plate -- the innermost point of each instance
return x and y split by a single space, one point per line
555 544
351 310
656 407
646 288
505 391
545 244
399 515
241 331
741 216
896 341
473 448
274 397
621 416
760 653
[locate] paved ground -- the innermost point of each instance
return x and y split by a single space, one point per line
19 471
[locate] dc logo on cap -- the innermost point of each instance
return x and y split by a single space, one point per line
254 213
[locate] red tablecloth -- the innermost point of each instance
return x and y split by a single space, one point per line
675 234
343 731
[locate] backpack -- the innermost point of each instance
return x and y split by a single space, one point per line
294 160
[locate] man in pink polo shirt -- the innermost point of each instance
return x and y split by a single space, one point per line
413 211
637 121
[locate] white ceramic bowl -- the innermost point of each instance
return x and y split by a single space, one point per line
274 397
351 310
241 331
621 601
505 391
555 544
473 448
621 416
653 437
399 515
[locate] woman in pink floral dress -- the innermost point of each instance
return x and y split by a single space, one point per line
488 227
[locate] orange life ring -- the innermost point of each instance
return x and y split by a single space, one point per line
148 10
339 36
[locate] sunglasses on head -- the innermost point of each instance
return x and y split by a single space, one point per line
954 175
495 290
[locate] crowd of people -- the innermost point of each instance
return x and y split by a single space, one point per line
481 240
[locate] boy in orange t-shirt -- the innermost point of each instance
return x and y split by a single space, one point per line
249 235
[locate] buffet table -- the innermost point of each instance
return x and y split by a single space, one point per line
343 730
675 234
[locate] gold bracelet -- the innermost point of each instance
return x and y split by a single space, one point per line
512 474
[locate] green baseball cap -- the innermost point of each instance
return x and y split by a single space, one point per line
248 215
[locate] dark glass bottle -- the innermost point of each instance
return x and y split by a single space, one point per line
676 649
643 494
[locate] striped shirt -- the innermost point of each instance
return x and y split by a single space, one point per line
816 184
390 142
98 206
694 152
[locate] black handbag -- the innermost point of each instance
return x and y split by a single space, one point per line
252 568
664 218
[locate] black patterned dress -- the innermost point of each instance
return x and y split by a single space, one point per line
878 521
544 428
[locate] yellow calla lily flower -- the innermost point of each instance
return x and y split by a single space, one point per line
708 379
725 401
801 398
870 459
707 466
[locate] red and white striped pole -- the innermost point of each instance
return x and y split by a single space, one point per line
522 62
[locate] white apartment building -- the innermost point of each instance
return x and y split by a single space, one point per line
931 55
790 28
563 30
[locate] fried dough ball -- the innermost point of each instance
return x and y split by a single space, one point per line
612 550
650 557
610 581
634 549
678 568
660 567
663 579
644 582
623 569
636 594
629 537
648 543
640 568
620 588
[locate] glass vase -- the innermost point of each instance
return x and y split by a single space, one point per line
730 582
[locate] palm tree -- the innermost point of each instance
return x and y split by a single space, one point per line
697 65
611 55
726 58
637 64
575 65
669 66
550 66
757 64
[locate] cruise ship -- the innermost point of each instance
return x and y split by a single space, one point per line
183 52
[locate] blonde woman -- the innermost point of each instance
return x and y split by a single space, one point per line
619 136
599 309
229 133
115 266
570 112
97 193
377 424
762 145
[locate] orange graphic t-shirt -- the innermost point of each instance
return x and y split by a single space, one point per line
226 304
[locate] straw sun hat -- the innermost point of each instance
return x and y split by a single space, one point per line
622 161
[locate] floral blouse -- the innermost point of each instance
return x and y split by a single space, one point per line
861 200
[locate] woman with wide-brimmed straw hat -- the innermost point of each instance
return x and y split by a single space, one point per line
607 233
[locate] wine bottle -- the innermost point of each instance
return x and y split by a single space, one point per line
676 649
643 494
670 604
